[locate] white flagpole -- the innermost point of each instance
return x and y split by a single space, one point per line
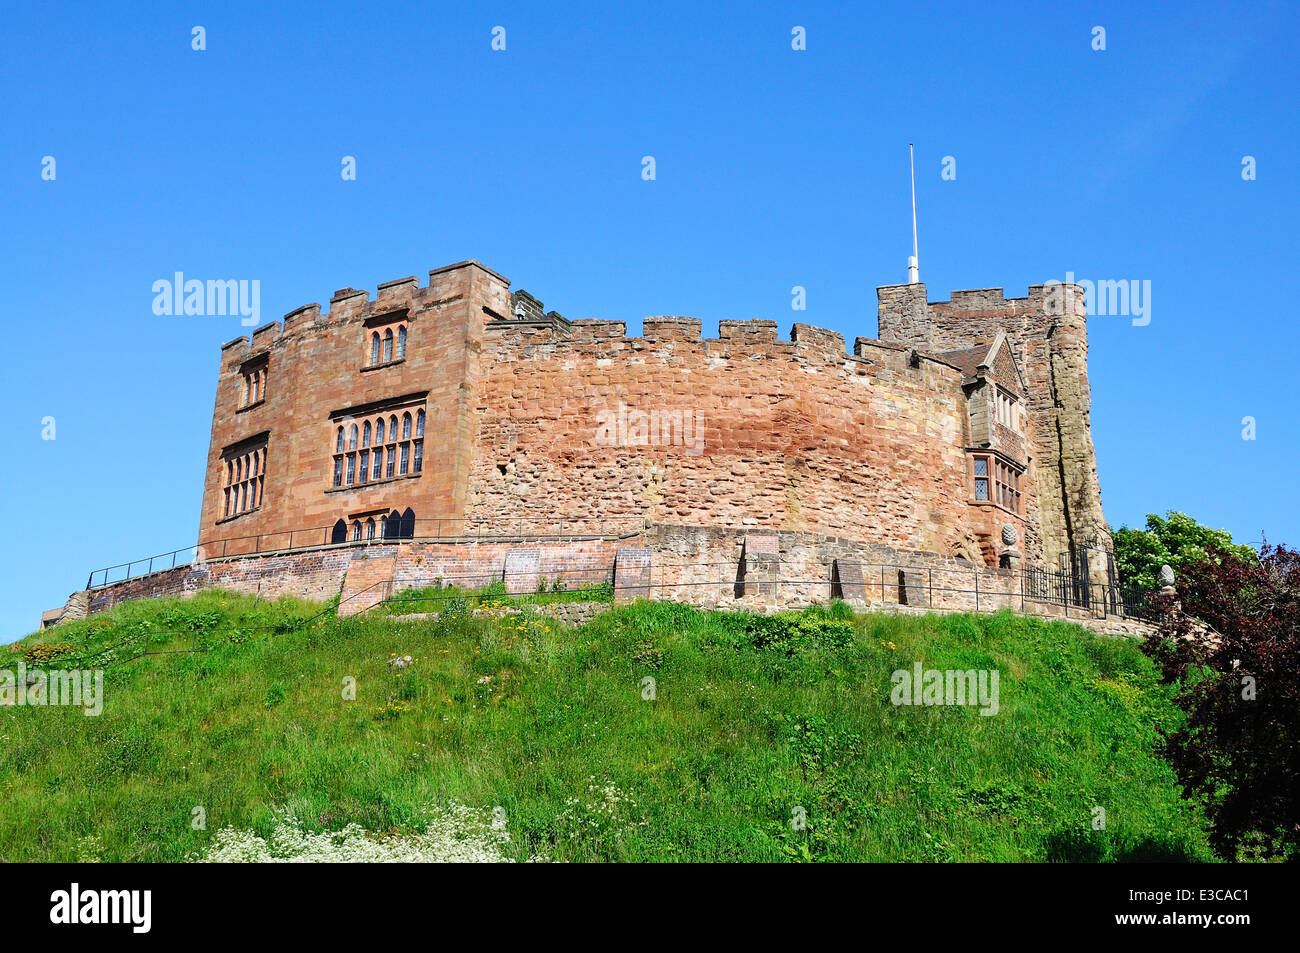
913 263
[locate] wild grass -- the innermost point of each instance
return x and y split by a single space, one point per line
749 727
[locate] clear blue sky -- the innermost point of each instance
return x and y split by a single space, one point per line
775 168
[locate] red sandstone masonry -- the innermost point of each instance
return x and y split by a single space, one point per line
797 435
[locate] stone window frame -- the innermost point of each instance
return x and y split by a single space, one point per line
385 340
1006 409
386 438
1001 479
243 486
253 391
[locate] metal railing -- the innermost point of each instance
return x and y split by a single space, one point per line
393 528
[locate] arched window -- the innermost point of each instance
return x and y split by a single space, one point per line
419 424
370 529
392 427
338 448
352 437
392 525
406 426
374 348
239 469
256 461
365 435
388 345
401 342
340 532
379 430
408 524
356 529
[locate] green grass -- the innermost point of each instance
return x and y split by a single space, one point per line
435 598
753 721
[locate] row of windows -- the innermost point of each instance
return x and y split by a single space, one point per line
388 348
393 526
1005 480
245 477
379 451
254 385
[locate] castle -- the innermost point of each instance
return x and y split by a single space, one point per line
460 431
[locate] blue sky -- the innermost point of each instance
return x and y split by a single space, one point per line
775 168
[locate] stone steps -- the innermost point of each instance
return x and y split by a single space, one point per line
368 582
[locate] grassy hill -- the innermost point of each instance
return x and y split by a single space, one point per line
513 736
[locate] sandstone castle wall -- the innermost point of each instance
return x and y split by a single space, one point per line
533 420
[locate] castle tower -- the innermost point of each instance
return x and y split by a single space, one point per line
1048 334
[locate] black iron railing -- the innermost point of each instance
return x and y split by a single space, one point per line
387 529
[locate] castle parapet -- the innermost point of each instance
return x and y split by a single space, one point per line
671 328
818 340
754 331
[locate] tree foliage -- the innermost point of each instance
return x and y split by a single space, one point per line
1239 747
1176 540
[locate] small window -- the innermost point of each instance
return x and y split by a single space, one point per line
365 435
401 342
338 471
254 386
352 437
356 529
379 430
379 463
406 457
364 469
352 469
370 529
388 345
338 446
406 426
981 477
419 424
419 456
392 460
374 348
